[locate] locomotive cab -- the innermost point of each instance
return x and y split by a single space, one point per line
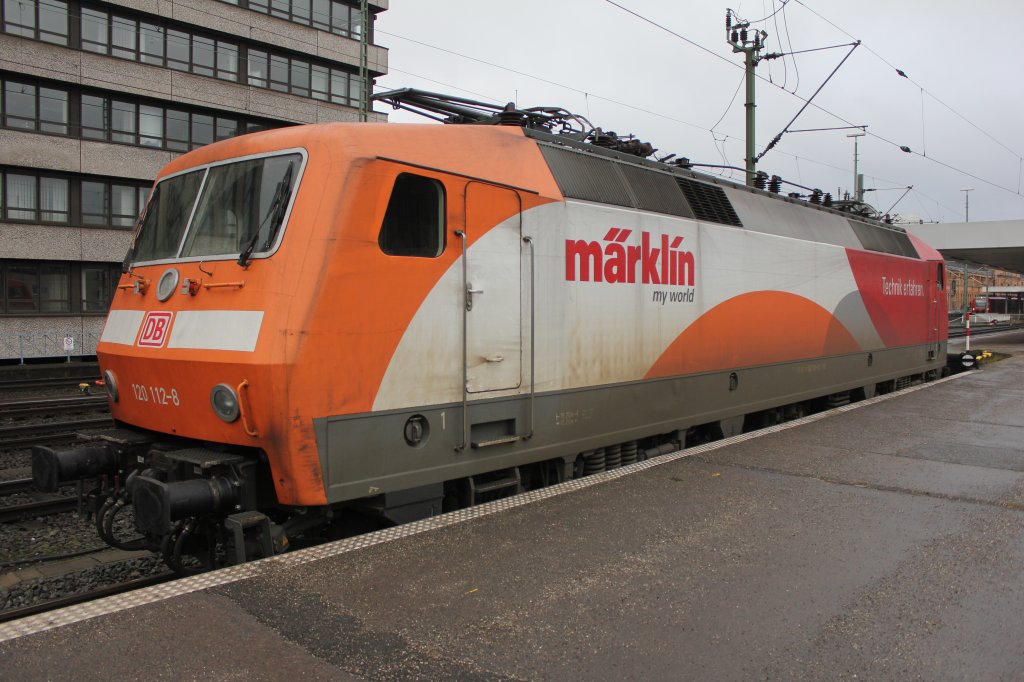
179 352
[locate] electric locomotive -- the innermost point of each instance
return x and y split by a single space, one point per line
329 327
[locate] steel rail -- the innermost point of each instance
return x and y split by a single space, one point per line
72 600
16 485
24 408
46 382
28 510
27 434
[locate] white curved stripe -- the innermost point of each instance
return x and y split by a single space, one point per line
216 330
590 333
122 326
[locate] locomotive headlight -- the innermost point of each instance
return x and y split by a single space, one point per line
225 402
167 284
110 384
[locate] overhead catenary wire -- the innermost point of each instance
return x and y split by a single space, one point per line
588 94
218 105
900 72
902 147
778 137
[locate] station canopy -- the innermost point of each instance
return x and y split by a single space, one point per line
997 244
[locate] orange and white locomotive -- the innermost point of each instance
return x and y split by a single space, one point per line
356 321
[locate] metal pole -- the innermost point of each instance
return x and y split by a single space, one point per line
966 303
364 56
751 62
967 203
858 190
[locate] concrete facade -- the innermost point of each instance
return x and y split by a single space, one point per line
32 252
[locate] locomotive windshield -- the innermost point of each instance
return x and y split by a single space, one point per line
229 210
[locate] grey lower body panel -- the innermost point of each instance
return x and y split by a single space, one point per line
368 454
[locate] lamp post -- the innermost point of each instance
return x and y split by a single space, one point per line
967 203
858 193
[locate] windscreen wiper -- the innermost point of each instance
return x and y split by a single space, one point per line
275 213
126 264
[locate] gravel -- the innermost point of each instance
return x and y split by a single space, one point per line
45 536
45 589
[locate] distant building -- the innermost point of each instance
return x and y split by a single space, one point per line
96 97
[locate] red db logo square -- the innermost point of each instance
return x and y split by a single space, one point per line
155 328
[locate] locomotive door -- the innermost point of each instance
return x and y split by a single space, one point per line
493 288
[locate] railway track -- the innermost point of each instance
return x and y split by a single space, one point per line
16 485
44 382
959 333
28 510
81 598
32 434
51 406
33 508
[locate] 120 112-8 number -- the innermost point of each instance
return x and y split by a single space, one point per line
156 394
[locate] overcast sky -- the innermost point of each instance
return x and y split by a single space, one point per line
960 110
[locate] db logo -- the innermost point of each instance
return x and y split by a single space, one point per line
155 327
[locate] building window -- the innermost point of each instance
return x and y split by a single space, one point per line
21 288
53 200
154 126
32 287
301 78
21 197
122 121
124 37
151 126
19 105
110 203
54 294
46 21
148 43
30 107
414 223
95 31
35 198
151 44
56 288
30 197
325 15
98 285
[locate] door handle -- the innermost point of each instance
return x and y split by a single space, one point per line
469 295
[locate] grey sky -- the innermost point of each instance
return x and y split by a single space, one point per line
964 54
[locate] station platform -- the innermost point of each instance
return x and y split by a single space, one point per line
883 540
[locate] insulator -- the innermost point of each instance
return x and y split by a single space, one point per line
760 179
775 186
827 200
683 162
728 20
735 38
816 196
743 35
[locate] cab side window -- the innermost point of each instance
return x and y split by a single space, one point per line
414 224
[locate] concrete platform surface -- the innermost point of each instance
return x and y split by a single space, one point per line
885 542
